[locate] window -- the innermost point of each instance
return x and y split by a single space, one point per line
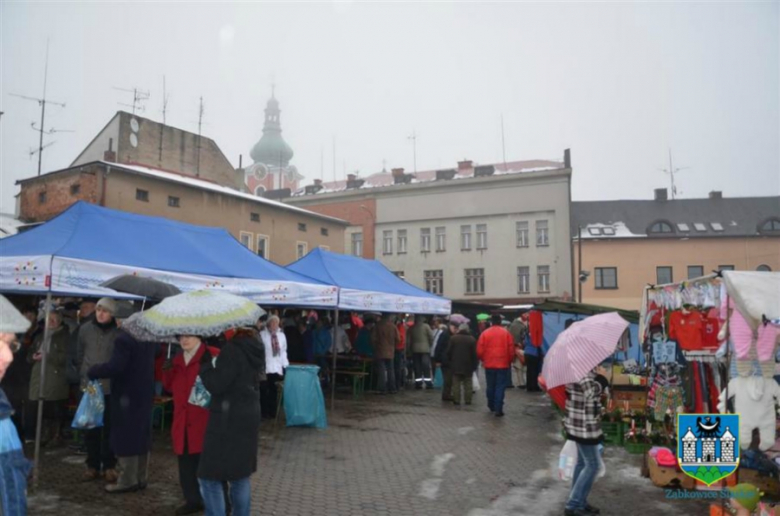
716 226
246 240
663 275
660 227
324 231
521 229
173 202
141 195
75 189
387 242
434 282
764 268
475 281
543 276
770 226
400 274
683 227
301 226
401 241
254 217
262 246
523 280
301 249
725 267
594 231
609 231
259 191
542 233
481 236
425 240
698 226
41 197
695 271
606 278
441 239
357 244
465 238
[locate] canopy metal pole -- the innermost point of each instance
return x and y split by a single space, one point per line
333 372
39 420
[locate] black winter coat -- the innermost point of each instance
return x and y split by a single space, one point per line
462 353
231 446
441 348
131 370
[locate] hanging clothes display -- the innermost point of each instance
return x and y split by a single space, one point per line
536 328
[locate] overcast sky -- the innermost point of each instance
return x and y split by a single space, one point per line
619 84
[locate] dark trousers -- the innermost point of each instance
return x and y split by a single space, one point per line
53 415
446 390
533 367
99 454
385 373
188 476
268 395
422 368
497 380
400 366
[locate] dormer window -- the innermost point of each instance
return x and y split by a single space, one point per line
770 226
660 228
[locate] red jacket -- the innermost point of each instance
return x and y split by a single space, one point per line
496 348
186 417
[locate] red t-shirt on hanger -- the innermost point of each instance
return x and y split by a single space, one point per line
687 329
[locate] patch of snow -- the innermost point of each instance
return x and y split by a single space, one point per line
429 488
620 228
440 462
465 430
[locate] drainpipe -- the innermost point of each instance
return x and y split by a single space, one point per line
106 171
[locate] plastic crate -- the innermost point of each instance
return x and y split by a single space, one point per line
613 433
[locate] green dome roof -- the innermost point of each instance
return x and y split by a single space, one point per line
272 149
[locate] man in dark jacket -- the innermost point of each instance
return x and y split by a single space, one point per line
230 447
462 359
131 370
95 346
384 340
441 358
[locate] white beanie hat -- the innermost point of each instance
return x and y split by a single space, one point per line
107 304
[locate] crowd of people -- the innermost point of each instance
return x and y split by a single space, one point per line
216 444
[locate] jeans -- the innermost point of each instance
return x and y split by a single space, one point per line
400 365
14 468
385 375
422 368
214 498
584 475
497 380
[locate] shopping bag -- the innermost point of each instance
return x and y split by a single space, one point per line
475 382
567 460
199 396
89 414
438 379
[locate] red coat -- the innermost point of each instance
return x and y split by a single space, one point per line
496 348
188 418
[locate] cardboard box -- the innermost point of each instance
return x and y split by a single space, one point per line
668 477
636 397
770 486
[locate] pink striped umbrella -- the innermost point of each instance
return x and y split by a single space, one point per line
582 347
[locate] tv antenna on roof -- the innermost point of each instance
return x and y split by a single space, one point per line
413 137
42 102
139 96
672 171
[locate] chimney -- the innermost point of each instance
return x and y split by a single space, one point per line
318 182
240 160
397 172
567 158
353 182
484 170
444 175
110 155
716 194
466 164
660 194
313 189
351 177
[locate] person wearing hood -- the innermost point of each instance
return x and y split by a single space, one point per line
230 445
14 467
131 371
95 346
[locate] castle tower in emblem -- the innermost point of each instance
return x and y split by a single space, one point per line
689 446
727 441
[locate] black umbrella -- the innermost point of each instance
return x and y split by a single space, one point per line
140 286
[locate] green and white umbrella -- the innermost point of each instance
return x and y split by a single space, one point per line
203 312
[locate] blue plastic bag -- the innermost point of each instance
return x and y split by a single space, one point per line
199 395
438 379
91 408
304 404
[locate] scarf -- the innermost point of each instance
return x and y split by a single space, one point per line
274 344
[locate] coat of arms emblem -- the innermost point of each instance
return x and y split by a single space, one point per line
708 445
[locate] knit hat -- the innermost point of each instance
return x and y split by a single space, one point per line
11 321
463 327
107 304
746 495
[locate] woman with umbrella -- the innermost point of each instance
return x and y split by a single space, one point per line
574 360
189 421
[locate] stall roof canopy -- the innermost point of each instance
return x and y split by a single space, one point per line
583 309
87 244
367 285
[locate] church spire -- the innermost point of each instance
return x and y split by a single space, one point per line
272 149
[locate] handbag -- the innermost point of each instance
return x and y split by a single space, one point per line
199 395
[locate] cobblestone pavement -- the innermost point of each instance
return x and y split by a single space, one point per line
404 454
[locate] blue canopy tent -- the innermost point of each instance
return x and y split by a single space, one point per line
86 245
367 285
